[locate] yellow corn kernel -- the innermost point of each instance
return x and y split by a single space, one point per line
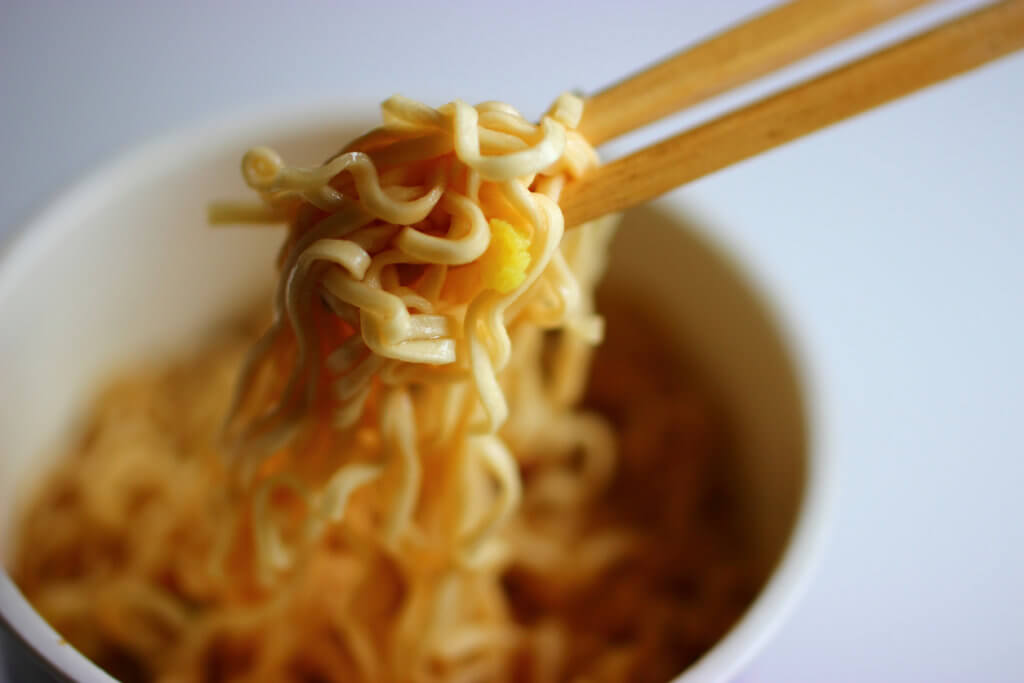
502 267
505 262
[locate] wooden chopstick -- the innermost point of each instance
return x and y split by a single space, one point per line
741 54
950 49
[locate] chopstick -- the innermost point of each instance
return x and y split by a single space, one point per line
952 48
741 54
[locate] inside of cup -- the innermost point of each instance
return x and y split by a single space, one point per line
725 334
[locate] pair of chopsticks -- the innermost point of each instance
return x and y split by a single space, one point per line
751 50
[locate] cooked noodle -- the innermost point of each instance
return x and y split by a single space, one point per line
404 487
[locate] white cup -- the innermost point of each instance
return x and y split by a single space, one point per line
123 266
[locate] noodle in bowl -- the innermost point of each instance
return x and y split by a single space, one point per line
143 221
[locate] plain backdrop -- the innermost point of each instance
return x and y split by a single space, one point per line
892 245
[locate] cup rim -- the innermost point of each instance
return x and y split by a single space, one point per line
35 236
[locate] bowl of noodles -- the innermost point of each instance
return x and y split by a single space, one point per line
422 432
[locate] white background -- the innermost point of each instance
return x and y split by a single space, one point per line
893 245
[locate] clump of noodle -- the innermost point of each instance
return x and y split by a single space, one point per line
519 152
520 164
